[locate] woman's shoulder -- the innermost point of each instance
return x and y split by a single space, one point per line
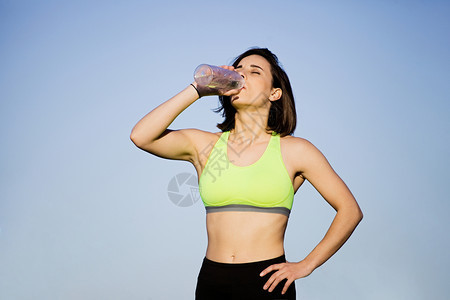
203 142
297 144
195 133
201 138
295 141
301 153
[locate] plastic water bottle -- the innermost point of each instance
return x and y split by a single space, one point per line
218 78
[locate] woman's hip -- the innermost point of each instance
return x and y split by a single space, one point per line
217 280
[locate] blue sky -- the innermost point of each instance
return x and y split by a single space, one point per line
84 214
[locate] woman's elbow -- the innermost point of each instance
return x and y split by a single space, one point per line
136 139
358 214
352 213
133 138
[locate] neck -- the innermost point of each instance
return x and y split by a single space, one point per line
250 125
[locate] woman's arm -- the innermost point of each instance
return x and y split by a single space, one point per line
314 167
151 133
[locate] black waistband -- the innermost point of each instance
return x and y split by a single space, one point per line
275 260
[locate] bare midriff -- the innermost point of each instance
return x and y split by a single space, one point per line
241 237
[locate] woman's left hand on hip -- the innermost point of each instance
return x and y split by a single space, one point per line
287 270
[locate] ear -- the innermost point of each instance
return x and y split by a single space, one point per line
275 94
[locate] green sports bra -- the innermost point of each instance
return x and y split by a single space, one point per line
263 186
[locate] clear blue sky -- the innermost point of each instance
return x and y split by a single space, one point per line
84 214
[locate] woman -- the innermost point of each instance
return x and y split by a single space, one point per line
248 174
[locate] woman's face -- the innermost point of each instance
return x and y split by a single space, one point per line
258 89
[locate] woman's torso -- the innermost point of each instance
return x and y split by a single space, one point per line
245 236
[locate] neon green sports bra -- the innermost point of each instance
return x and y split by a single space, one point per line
263 186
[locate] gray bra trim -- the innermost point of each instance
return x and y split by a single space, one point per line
241 207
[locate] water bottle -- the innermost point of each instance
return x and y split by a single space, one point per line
218 78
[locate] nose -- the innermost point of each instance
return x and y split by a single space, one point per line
241 73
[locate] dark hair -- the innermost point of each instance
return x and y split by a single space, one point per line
282 116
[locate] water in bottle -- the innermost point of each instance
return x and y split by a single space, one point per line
218 78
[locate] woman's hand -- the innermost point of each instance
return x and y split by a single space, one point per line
230 92
207 91
289 271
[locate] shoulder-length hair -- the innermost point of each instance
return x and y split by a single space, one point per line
282 115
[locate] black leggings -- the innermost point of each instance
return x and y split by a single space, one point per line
228 281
